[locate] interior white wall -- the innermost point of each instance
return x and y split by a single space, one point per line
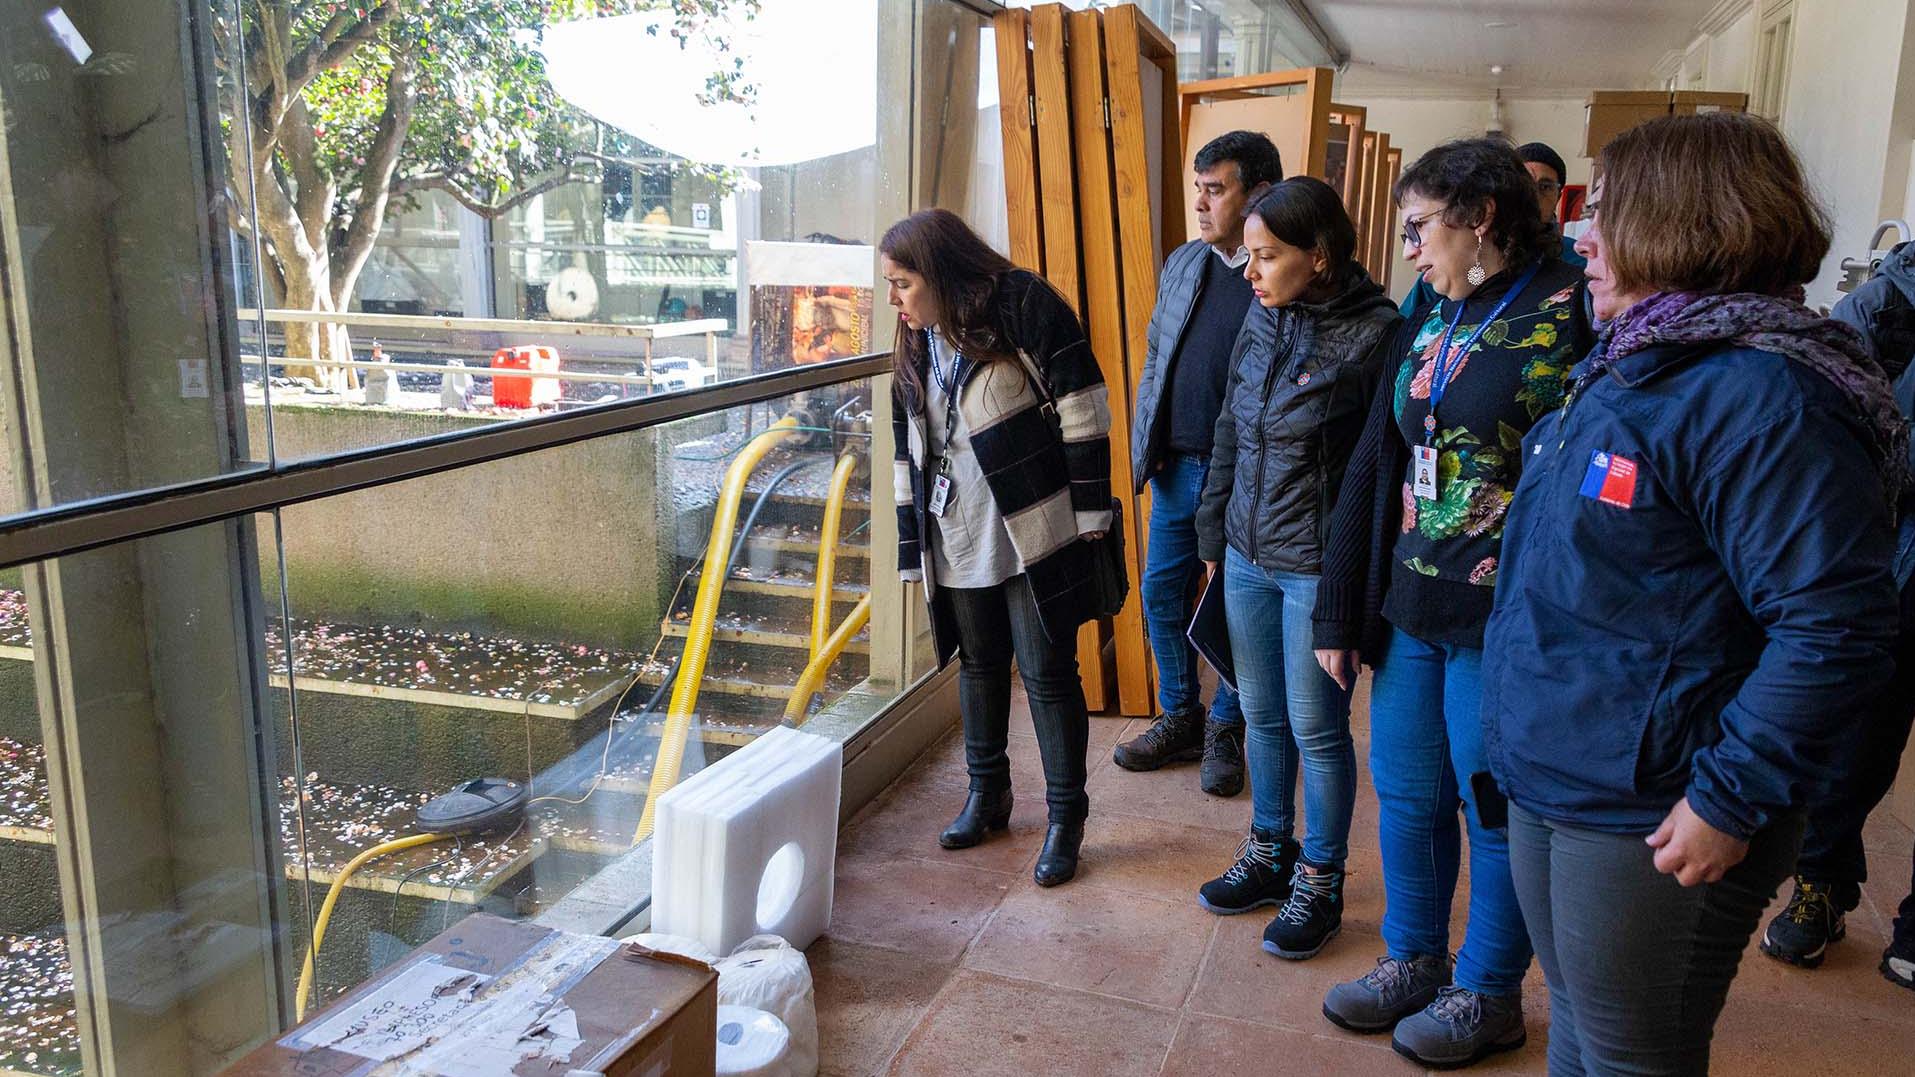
1419 124
1731 51
1846 78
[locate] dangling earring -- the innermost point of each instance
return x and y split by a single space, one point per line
1477 274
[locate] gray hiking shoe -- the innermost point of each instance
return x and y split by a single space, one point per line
1394 989
1460 1028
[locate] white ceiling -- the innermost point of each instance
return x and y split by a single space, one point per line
1568 46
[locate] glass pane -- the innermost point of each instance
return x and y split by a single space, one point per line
121 359
146 897
524 620
618 205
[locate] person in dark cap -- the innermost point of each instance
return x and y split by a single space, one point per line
1546 167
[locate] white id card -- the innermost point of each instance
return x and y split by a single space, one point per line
940 495
1423 472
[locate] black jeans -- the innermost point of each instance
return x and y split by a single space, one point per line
1638 965
1832 850
994 625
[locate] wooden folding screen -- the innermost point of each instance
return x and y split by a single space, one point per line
1091 211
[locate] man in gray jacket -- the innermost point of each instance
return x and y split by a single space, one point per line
1202 299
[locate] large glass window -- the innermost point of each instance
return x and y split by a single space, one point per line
219 260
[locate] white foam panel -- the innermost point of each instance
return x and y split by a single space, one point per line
747 845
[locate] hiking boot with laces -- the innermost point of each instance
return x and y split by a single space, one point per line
1222 771
1801 933
1394 989
1461 1027
1172 738
1260 877
1312 917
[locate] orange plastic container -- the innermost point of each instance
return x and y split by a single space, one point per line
512 392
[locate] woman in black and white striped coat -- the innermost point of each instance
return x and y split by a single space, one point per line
1002 472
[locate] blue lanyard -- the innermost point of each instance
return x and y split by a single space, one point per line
1447 363
949 386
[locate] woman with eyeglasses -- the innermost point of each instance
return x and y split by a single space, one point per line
1408 577
1697 606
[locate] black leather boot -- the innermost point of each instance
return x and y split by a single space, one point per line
983 812
1057 862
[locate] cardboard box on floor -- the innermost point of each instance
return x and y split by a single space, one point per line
636 1011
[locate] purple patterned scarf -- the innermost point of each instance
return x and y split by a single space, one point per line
1831 349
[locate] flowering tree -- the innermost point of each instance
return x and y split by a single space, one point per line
342 109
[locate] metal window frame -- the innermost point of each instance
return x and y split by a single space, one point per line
87 525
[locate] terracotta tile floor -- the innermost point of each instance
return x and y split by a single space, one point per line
956 963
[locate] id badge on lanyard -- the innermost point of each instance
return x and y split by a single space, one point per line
1423 471
941 486
941 489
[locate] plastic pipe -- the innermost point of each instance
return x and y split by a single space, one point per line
813 677
711 583
332 898
828 555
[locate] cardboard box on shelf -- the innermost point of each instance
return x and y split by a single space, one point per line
492 996
1609 113
1684 102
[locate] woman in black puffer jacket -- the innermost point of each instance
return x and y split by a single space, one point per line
1304 367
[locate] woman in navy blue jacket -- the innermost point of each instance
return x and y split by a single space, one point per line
1695 602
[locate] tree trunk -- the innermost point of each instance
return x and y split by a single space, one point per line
308 288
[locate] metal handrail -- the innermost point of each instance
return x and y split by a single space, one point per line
86 525
368 320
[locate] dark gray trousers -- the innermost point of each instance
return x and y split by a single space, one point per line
1638 965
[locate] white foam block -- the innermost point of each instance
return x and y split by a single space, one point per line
747 845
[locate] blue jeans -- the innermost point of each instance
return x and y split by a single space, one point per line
1170 567
1290 708
1426 739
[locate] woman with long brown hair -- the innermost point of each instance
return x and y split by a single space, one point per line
1002 473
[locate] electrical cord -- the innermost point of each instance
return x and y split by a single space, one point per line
671 675
392 914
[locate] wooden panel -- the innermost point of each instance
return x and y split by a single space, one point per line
1103 301
1366 189
1285 119
1317 94
1336 166
1357 121
1020 152
1382 217
1171 231
1054 152
1138 261
1392 251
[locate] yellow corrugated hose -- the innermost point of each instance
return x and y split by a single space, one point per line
828 555
711 583
813 677
332 898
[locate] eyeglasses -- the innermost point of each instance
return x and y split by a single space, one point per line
1548 186
1412 233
